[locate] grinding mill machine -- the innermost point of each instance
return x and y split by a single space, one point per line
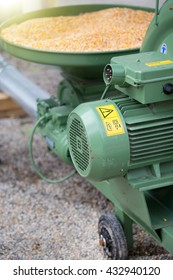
120 139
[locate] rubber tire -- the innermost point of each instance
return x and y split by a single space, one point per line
111 230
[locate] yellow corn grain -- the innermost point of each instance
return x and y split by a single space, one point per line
104 30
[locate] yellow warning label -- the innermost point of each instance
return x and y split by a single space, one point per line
159 63
111 120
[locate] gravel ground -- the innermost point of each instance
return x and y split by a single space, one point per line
44 221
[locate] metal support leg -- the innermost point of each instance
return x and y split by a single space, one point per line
127 226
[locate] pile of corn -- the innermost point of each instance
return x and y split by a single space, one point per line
104 30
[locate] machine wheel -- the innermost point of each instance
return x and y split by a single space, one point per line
112 238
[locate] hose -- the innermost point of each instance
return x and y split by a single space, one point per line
33 161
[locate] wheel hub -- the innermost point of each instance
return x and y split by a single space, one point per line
102 241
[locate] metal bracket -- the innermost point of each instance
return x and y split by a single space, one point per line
156 12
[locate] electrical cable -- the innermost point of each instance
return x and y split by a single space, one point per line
33 161
105 92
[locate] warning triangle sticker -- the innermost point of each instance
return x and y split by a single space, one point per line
105 112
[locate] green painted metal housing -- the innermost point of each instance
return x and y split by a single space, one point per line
145 193
141 76
95 155
159 33
143 151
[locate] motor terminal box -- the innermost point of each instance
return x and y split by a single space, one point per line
145 77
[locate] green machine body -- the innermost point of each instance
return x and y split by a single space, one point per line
130 134
122 143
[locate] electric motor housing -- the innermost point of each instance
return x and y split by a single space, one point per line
98 140
107 138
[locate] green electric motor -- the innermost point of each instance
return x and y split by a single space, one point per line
109 137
